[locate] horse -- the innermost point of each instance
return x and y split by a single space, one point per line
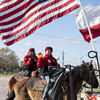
79 74
17 78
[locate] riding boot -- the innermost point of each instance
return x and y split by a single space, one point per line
53 93
50 85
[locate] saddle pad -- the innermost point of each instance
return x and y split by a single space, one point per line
34 84
19 77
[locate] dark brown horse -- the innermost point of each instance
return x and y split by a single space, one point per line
79 74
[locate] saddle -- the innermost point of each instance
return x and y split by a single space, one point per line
19 77
36 84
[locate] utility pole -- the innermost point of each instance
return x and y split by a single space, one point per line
63 58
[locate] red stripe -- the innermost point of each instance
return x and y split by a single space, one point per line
5 1
38 10
18 18
42 8
15 11
11 5
95 30
37 18
39 25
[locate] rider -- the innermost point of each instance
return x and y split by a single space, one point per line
30 61
43 64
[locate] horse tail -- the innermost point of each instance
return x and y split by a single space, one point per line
11 96
11 83
8 93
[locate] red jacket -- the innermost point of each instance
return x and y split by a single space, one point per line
46 60
28 61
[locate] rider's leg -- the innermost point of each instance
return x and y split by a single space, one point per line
29 75
45 94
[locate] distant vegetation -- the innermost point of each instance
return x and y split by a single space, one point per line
9 61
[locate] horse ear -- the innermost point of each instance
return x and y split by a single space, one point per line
90 62
83 62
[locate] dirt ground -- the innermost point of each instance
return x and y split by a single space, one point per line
4 87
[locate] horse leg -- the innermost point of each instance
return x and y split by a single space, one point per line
61 94
65 97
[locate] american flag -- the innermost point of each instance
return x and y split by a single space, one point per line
20 18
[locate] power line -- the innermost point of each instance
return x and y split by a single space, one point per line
59 37
62 38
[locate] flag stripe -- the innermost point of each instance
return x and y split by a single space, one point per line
43 9
5 4
14 18
16 12
93 19
37 14
92 16
30 17
95 30
36 20
10 6
34 29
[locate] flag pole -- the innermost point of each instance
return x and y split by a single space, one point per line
0 43
88 30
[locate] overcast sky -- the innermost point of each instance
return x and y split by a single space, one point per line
63 35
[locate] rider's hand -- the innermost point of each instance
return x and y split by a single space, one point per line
40 55
58 65
32 58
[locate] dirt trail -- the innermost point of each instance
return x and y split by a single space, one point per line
4 87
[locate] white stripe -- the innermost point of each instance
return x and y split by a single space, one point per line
12 9
92 15
15 16
35 24
22 12
33 17
7 4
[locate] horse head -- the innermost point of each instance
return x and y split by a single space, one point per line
89 75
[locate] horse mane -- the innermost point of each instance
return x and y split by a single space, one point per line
76 74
